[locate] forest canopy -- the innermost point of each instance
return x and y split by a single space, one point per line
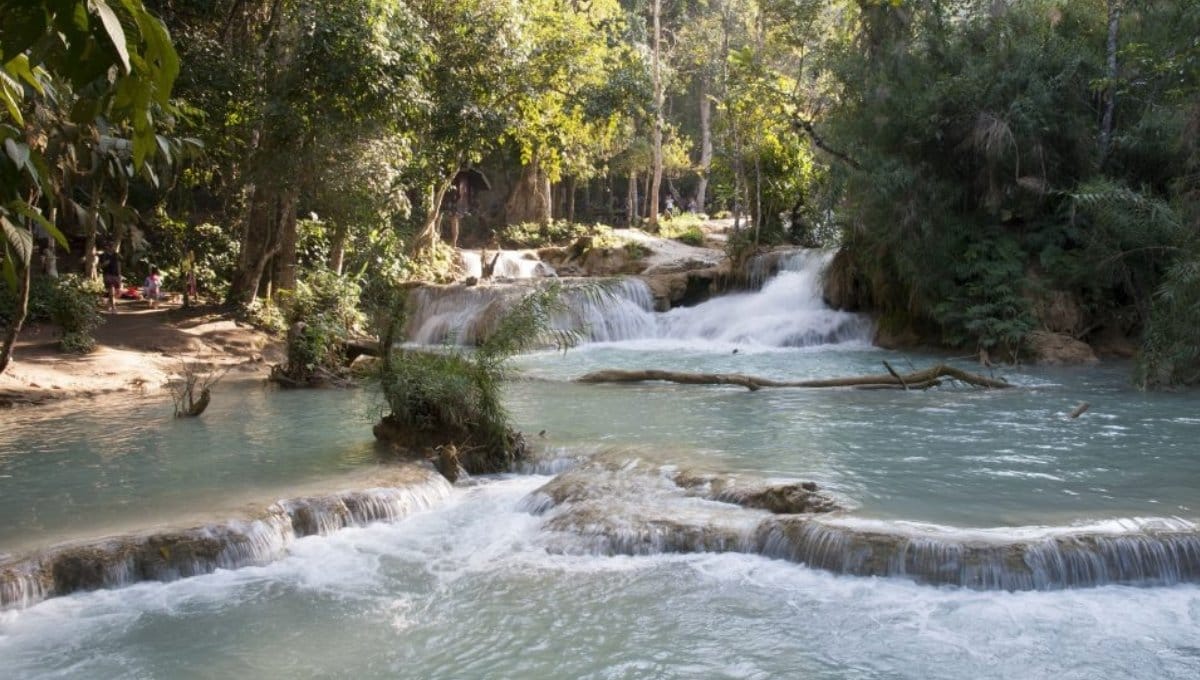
979 163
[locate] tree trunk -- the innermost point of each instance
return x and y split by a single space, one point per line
429 236
758 211
289 236
1110 92
337 250
631 201
18 317
571 190
924 379
260 242
646 194
659 99
530 198
706 146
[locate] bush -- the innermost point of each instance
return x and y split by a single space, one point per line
72 306
452 397
534 235
321 315
683 228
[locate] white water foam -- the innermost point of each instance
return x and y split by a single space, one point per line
453 592
509 264
788 312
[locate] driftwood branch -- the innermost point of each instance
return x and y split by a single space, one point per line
896 375
917 380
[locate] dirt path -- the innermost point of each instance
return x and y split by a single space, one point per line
137 349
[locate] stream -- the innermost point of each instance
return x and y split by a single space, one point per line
983 533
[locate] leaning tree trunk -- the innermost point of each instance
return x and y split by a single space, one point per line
429 236
18 317
530 198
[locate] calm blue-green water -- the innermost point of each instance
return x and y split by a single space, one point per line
478 587
96 467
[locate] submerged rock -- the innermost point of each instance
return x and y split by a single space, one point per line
801 498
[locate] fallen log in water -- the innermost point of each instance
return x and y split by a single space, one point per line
918 380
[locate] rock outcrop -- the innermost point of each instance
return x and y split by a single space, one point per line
1058 349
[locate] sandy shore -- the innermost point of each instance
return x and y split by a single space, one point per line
138 349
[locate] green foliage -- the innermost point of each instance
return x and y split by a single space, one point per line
321 315
211 249
983 305
70 302
966 172
453 396
534 235
1170 353
684 228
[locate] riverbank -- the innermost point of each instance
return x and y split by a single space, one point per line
137 349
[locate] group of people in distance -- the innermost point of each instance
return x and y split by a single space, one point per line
110 269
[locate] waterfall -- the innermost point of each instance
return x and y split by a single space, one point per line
171 555
1162 552
510 264
606 311
787 312
615 504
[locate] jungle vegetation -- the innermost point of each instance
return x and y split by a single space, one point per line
977 161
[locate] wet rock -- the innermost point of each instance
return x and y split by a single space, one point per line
446 462
782 499
1052 349
787 498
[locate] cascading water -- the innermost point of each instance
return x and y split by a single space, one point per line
615 506
170 555
506 264
699 483
788 312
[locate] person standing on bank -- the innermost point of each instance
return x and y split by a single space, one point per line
153 287
110 268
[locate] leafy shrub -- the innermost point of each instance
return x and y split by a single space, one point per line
684 228
453 397
40 292
72 305
534 235
984 307
1170 354
321 315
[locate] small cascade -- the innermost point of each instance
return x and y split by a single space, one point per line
788 312
172 555
614 504
509 264
1162 552
466 314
